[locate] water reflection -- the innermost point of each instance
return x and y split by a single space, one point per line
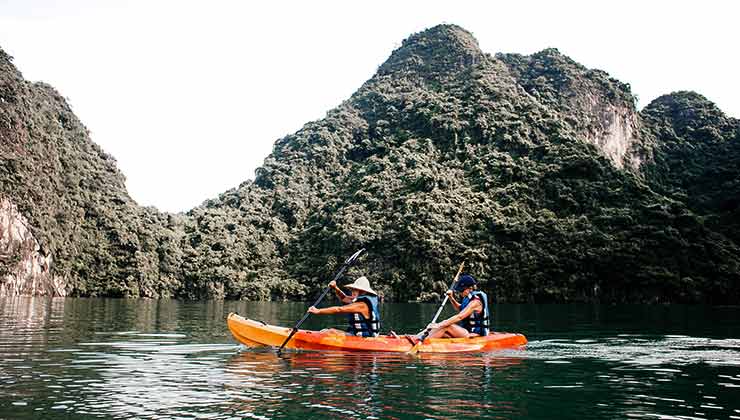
367 385
27 324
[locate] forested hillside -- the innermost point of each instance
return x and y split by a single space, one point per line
537 171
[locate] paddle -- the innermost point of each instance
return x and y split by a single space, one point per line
425 333
339 273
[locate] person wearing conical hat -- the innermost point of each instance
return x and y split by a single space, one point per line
361 307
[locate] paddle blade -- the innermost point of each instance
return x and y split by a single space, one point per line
354 256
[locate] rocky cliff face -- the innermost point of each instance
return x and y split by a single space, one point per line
538 172
26 268
600 109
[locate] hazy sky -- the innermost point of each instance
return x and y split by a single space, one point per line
190 96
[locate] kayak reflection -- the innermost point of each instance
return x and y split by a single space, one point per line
385 385
340 361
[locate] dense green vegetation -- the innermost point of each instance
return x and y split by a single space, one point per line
446 154
76 200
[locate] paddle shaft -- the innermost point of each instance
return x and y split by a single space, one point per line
339 274
304 318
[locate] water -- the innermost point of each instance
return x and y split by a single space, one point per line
108 358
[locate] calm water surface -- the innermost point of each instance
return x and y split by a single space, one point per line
107 358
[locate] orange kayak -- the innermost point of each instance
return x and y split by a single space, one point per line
258 334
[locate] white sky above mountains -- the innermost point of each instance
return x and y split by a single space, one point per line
189 96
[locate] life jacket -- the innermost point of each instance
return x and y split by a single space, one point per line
359 325
477 322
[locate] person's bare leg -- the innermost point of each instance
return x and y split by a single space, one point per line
456 331
437 332
333 331
453 331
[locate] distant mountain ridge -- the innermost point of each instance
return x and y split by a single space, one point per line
537 171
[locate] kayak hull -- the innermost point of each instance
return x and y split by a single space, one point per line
258 334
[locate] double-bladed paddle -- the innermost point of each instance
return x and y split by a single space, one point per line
339 273
423 335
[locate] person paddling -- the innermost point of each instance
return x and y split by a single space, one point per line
361 306
472 319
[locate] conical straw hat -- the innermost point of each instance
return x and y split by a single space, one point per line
362 284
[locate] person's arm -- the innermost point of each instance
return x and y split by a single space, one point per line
352 308
453 301
474 306
340 294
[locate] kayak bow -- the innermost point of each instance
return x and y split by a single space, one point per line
258 334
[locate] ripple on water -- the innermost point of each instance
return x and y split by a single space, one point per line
640 350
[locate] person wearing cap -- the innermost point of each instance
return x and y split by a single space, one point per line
361 306
472 319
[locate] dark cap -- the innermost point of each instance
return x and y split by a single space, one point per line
465 281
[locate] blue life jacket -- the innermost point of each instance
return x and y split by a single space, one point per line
477 322
361 326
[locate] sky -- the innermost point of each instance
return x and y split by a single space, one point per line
189 96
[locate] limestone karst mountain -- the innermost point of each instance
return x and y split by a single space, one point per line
537 171
71 197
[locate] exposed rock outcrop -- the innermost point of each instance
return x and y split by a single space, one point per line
26 269
599 108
